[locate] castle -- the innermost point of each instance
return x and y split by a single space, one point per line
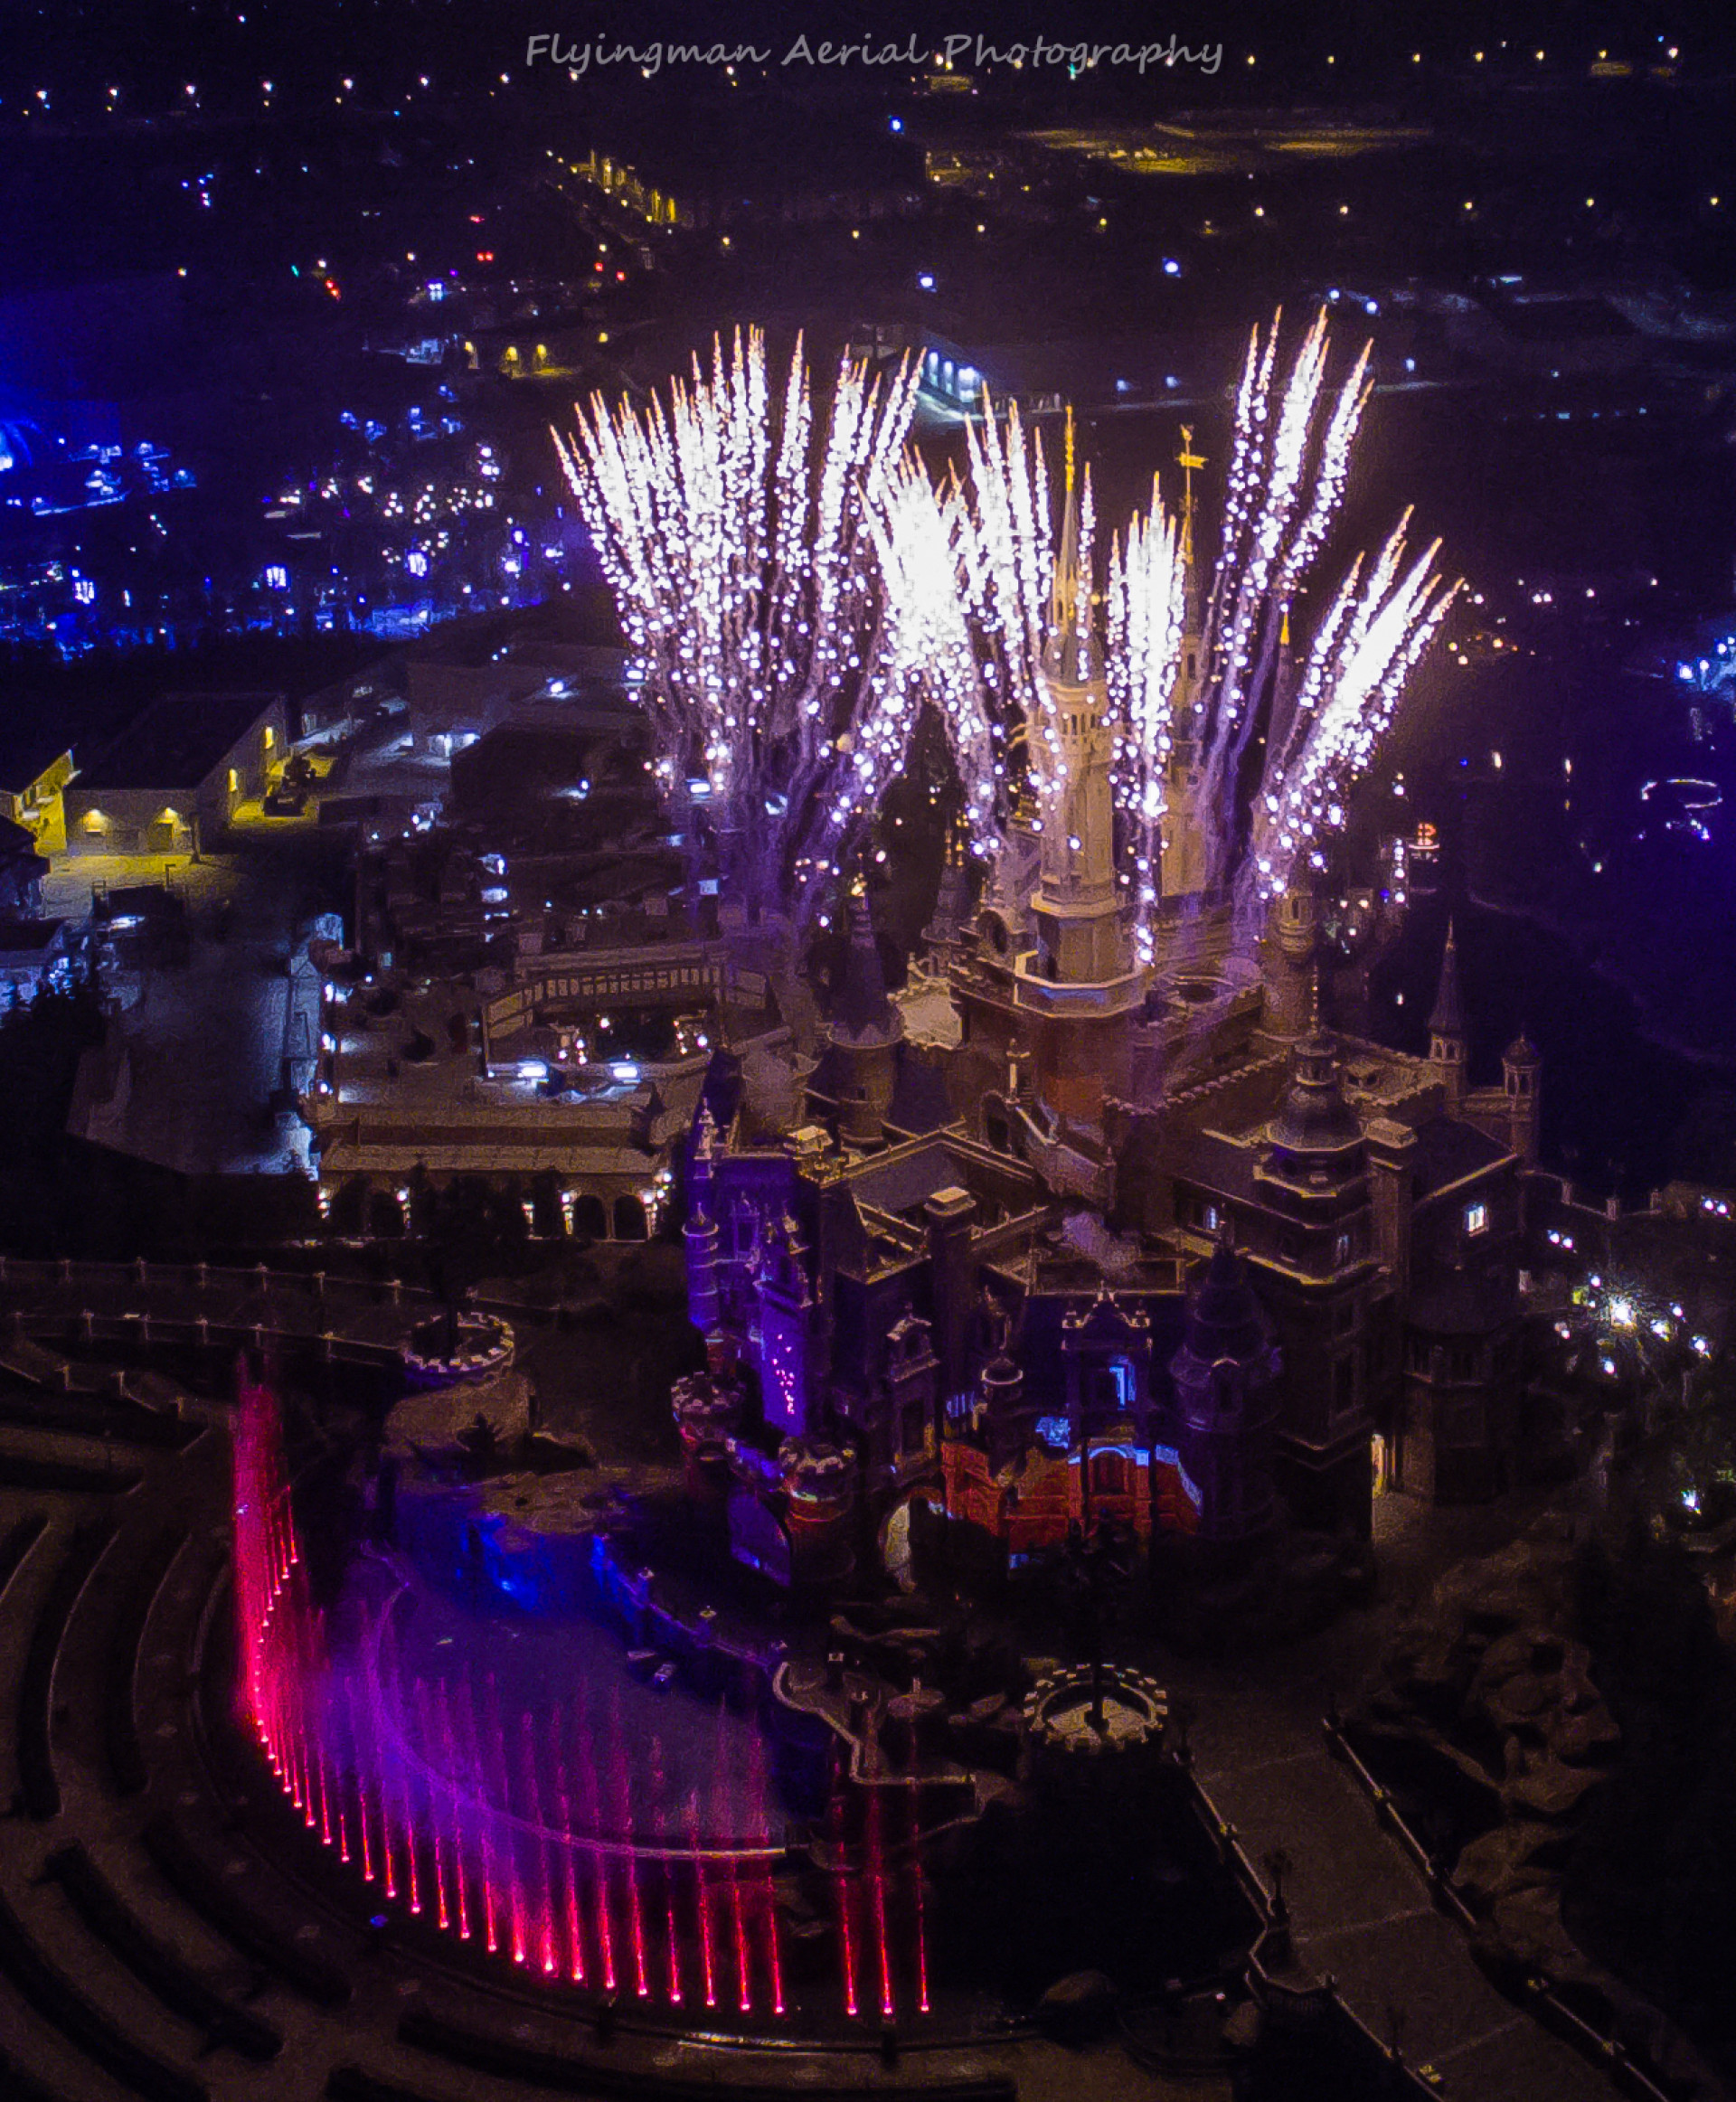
1069 1235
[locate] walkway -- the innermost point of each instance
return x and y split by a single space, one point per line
1359 1910
343 1318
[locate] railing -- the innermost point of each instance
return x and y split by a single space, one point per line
1536 1991
1299 1999
267 1320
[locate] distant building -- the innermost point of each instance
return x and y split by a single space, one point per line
36 766
175 777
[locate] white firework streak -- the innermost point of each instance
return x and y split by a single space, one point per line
920 534
1368 646
1288 476
743 567
1142 660
1009 551
1290 455
1007 541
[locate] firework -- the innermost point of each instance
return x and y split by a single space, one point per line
1290 459
920 534
1146 615
1027 583
740 535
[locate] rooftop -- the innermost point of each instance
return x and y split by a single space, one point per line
176 740
1448 1150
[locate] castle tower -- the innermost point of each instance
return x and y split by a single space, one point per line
1184 871
699 1235
865 1030
1226 1393
952 901
789 1330
1448 1042
1522 1068
1317 1273
1283 685
1079 986
1007 1417
1292 950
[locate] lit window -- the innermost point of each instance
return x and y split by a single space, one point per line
270 737
1476 1217
234 782
1209 1218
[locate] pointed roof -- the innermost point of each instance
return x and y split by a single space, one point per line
1522 1052
1225 1318
721 1089
1447 1018
862 1014
1064 655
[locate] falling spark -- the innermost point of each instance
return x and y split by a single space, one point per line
737 531
1023 585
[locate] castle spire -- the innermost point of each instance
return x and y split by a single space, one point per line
1448 1016
1189 462
1064 590
1448 1042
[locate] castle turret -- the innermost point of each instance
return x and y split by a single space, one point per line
1522 1068
790 1329
1006 1417
952 902
707 1408
1317 1273
699 1235
1293 950
1447 1039
1225 1375
865 1029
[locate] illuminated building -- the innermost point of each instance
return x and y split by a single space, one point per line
34 774
176 778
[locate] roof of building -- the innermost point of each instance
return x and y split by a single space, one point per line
862 1015
1447 1150
1313 1117
176 740
1224 1316
1447 1018
1215 1161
